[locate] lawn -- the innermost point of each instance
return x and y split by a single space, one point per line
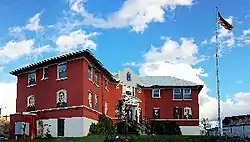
145 139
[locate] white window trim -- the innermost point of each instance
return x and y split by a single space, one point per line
106 107
44 78
174 94
28 103
128 73
57 95
106 81
30 85
187 108
153 93
90 99
58 71
92 70
156 108
190 93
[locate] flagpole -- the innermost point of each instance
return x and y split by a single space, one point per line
217 72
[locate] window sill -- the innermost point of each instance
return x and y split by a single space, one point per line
96 85
156 97
187 99
106 88
45 78
59 79
90 80
177 99
32 85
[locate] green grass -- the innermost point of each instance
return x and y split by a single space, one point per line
140 139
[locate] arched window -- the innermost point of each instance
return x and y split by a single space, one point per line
31 103
61 98
90 99
128 76
106 108
188 113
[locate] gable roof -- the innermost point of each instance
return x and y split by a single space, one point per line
65 57
150 81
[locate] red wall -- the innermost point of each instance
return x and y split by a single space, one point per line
31 119
166 104
45 90
111 94
77 85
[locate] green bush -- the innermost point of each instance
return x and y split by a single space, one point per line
104 126
164 128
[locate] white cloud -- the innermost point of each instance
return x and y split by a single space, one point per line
32 25
244 37
154 64
8 97
136 14
173 52
14 50
75 40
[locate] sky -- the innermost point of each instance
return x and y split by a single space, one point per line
153 37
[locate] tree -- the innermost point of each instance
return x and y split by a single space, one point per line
4 127
104 126
205 125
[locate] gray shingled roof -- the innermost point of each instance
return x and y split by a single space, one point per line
149 81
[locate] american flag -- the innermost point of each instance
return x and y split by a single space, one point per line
224 23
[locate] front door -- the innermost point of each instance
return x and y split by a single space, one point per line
60 127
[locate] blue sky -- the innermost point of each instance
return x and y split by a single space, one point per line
145 35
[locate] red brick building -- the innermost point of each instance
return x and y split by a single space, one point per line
67 93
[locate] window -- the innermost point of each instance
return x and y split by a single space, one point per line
156 113
31 103
187 93
128 76
32 78
60 127
177 113
45 73
187 113
90 99
106 107
96 102
106 83
177 93
62 71
90 72
133 91
156 93
61 98
96 79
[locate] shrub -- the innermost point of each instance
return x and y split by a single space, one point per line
104 126
4 127
164 128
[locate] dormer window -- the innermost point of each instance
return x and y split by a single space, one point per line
31 78
31 103
61 98
128 76
62 71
